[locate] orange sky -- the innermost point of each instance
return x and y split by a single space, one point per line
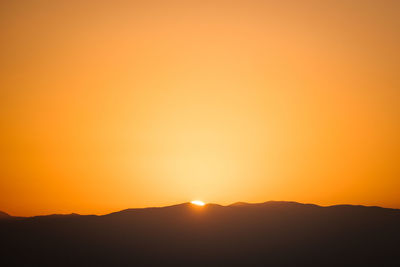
107 105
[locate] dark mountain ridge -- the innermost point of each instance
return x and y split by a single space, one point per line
268 204
4 215
272 233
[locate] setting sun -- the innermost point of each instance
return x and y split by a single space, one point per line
198 202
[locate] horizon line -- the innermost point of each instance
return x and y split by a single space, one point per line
206 204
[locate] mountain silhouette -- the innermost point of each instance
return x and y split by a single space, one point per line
273 233
4 215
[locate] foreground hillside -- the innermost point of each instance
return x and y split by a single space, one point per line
271 233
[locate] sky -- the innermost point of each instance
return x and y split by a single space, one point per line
107 105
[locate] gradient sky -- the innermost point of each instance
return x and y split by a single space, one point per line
107 105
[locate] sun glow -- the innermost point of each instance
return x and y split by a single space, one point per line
197 202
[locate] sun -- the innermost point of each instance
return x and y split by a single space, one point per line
198 202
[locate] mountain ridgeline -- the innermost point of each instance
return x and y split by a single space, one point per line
4 215
241 234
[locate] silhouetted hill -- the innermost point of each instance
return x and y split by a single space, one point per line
272 233
4 215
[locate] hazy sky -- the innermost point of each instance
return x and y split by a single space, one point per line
106 105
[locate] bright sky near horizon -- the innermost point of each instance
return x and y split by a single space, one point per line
107 105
